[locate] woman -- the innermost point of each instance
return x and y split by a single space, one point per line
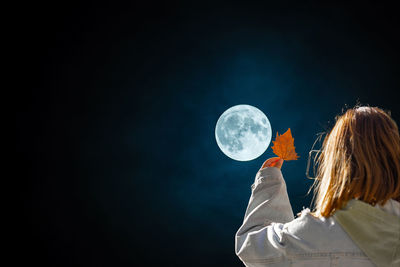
356 220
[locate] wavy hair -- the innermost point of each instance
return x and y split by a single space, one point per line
360 158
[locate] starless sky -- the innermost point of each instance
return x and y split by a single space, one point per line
117 158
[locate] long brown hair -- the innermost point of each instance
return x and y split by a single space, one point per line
360 158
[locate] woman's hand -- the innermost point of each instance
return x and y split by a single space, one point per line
273 162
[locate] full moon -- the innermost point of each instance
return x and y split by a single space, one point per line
243 132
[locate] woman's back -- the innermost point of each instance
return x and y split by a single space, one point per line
270 236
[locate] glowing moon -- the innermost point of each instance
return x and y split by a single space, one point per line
243 132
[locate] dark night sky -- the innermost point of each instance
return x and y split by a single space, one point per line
115 130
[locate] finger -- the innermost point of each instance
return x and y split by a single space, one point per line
269 162
274 160
279 163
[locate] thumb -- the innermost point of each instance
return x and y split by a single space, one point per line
278 164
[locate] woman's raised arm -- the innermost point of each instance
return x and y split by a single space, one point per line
258 238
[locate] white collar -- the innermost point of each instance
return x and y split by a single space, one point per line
391 206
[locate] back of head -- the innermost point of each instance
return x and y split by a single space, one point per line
360 158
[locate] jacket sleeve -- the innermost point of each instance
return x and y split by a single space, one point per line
260 235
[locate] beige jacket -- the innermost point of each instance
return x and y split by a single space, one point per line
359 235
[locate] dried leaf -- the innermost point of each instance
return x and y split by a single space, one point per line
284 146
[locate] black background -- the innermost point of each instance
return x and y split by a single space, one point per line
117 159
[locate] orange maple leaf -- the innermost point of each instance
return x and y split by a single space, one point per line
284 146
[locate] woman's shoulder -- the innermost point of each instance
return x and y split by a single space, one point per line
309 232
308 220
